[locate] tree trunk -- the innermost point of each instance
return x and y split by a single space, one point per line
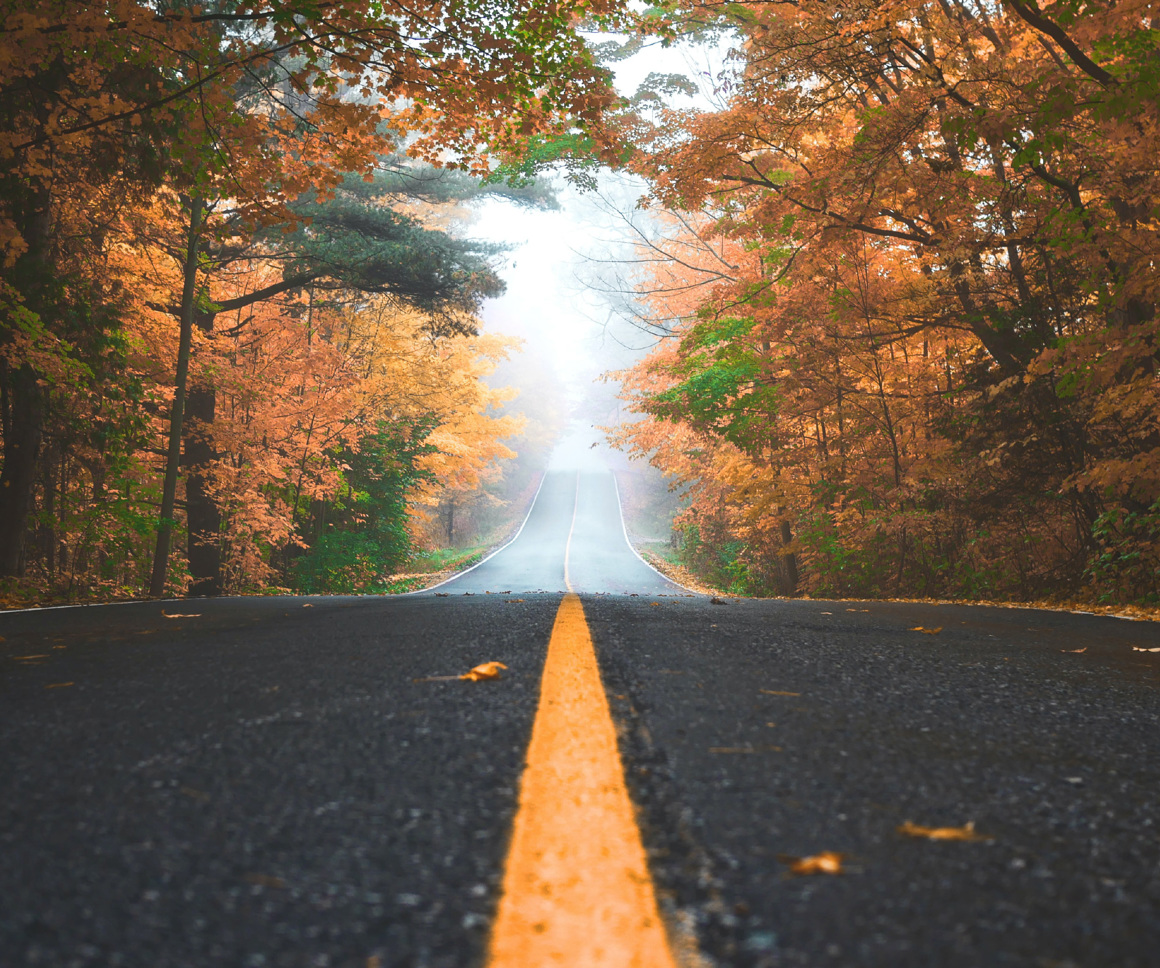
22 434
23 395
201 511
173 452
789 559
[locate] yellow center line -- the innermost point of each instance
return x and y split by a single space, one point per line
576 890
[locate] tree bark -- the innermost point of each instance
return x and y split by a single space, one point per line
173 452
203 518
22 434
23 393
789 560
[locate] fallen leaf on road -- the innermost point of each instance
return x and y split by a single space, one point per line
265 880
489 670
778 692
827 862
926 631
308 605
442 594
716 601
1136 648
25 658
181 615
512 601
59 685
1074 651
657 604
193 794
965 832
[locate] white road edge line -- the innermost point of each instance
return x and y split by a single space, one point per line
130 601
624 531
571 528
460 574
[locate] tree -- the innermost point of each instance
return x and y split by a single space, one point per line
257 104
950 274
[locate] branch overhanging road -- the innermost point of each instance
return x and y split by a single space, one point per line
288 781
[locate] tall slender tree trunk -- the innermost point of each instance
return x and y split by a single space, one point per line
22 434
203 518
22 402
173 452
789 560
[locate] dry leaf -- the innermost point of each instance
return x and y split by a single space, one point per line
308 605
265 880
1136 648
59 685
165 614
1074 651
827 862
925 631
655 603
25 658
716 601
778 692
965 832
512 601
489 670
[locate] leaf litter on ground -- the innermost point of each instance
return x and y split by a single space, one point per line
965 832
486 670
827 862
926 631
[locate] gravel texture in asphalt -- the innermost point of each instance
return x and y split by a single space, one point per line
262 785
755 732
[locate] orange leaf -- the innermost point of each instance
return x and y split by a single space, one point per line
965 832
1073 651
827 862
181 615
489 670
925 631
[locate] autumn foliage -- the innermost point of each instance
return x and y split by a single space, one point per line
233 310
909 292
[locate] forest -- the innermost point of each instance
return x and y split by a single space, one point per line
239 344
904 278
900 266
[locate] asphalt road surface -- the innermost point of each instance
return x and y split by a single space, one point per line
287 782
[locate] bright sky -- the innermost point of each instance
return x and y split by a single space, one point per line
547 303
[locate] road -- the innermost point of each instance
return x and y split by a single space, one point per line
289 782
